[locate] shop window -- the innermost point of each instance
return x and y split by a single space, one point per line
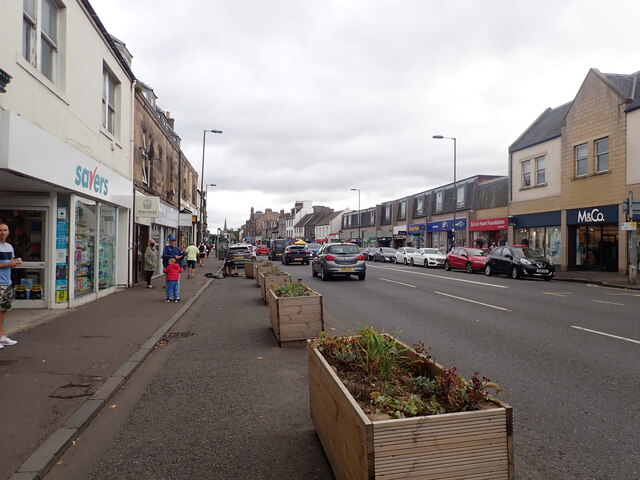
526 174
107 247
581 159
602 155
84 252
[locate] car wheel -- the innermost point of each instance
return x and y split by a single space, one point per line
447 266
487 270
313 272
405 261
361 276
393 260
547 279
384 260
425 264
468 267
323 274
514 273
306 263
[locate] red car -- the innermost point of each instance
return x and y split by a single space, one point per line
466 258
262 250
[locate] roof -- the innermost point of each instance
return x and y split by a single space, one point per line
546 127
627 87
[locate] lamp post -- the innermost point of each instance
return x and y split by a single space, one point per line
204 137
205 214
455 188
359 215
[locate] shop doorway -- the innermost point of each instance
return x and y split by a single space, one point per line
142 240
596 248
27 235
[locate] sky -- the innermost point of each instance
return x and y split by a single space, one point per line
317 98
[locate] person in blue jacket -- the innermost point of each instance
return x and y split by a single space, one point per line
171 251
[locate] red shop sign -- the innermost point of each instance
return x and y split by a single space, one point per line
486 224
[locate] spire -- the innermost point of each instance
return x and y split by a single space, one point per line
225 225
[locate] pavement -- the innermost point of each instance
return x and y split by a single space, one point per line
69 363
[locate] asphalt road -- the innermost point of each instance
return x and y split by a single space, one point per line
574 391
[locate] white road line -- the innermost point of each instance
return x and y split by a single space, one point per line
473 301
608 303
606 334
438 276
399 283
558 294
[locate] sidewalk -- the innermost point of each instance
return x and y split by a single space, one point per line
63 371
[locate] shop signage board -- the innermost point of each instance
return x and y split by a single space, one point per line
487 224
629 226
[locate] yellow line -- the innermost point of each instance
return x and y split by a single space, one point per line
608 303
399 283
473 301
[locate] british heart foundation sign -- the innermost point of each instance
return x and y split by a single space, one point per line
487 224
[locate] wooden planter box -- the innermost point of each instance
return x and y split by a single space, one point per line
474 445
261 268
295 319
249 269
270 280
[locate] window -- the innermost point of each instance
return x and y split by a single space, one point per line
109 88
581 159
402 210
40 36
526 174
541 178
418 209
460 196
439 201
602 155
386 214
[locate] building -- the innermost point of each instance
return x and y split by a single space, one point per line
66 177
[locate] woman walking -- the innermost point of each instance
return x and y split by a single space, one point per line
150 261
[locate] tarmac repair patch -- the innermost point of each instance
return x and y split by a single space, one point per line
167 337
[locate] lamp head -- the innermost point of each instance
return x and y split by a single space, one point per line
439 137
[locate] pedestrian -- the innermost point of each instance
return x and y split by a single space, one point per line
202 248
150 261
192 256
171 251
172 274
7 262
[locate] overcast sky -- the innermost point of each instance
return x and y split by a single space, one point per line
316 98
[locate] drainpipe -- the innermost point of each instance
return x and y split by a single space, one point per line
131 234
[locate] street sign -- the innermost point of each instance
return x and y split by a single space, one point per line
629 226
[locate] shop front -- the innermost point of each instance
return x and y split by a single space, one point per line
399 236
541 231
593 238
416 232
489 232
441 233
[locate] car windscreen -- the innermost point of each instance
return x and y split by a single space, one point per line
431 251
476 252
313 246
297 248
527 252
409 250
388 250
343 249
237 250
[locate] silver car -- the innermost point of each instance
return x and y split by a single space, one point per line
339 259
427 257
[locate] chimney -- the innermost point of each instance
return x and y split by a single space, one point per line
170 121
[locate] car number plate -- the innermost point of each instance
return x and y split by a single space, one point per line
297 259
542 270
346 269
238 256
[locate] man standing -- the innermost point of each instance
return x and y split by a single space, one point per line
192 258
7 262
171 251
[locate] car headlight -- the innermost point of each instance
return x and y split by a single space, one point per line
524 261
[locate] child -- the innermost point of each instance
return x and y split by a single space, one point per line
173 272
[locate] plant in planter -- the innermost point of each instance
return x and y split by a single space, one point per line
295 311
271 277
385 410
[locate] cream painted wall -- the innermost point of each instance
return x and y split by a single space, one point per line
633 147
70 110
553 163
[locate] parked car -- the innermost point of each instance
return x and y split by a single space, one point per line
403 254
238 255
466 258
295 253
262 250
427 257
385 254
313 248
369 253
276 248
339 259
519 261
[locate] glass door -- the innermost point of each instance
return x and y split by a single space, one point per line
27 235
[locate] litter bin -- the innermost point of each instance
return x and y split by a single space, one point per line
221 253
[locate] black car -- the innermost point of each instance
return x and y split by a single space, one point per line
295 253
238 255
276 248
519 261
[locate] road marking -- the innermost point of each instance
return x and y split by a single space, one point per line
559 294
399 283
438 276
608 303
473 301
606 334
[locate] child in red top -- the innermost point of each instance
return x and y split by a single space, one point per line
172 272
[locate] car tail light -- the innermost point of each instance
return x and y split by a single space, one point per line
330 258
360 257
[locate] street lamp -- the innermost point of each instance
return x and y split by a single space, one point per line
455 188
204 136
359 215
205 214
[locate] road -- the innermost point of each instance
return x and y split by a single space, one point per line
568 355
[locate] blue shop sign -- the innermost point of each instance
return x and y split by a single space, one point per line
447 225
593 215
544 219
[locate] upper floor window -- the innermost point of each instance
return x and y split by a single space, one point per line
418 206
40 36
581 159
439 197
602 155
541 176
526 173
402 210
460 196
372 218
386 214
109 100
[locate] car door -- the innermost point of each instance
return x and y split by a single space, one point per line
506 259
455 259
